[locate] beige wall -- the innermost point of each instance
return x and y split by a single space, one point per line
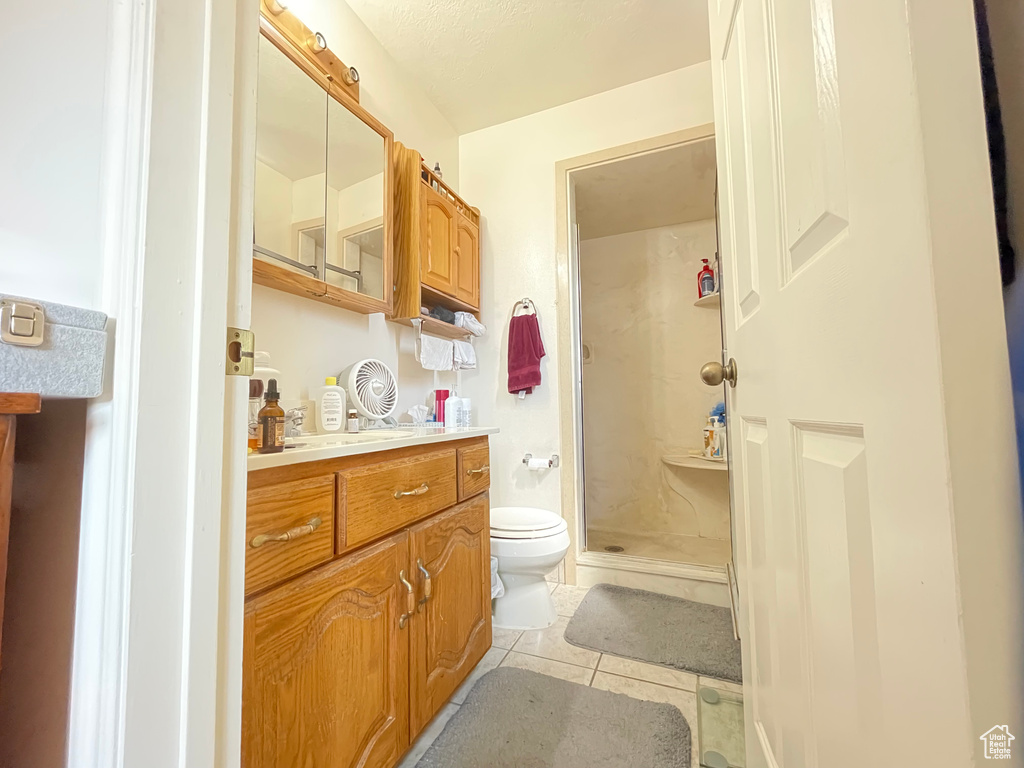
508 170
641 393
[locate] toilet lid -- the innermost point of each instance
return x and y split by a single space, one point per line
525 523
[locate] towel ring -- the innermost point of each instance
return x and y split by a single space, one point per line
524 304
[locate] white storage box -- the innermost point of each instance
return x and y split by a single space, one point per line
52 349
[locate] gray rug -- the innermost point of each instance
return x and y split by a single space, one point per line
514 718
657 629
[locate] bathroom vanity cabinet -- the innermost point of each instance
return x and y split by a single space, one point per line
368 601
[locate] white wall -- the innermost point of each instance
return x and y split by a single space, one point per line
50 248
293 330
52 151
508 171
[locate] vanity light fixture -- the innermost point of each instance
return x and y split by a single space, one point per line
316 42
277 7
352 76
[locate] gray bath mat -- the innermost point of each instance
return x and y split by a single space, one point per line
657 629
514 718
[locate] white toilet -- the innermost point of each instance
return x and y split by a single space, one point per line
529 544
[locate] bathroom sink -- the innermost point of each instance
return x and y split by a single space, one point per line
345 438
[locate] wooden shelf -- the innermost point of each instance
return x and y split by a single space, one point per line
695 462
713 300
430 297
436 327
19 402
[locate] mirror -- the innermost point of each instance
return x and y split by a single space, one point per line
356 252
290 201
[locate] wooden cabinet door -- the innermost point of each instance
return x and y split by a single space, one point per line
467 261
326 665
450 555
437 250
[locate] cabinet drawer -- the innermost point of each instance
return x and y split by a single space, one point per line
385 497
289 528
474 471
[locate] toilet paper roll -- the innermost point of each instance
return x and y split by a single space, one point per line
536 464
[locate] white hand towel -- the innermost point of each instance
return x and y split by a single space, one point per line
435 354
465 356
470 323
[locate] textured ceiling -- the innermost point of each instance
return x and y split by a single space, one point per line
482 62
656 189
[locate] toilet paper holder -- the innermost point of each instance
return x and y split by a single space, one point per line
552 462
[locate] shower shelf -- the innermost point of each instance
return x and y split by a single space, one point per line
711 300
694 462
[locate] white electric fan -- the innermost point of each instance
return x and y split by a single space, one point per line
373 391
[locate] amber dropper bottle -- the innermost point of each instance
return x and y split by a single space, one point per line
270 430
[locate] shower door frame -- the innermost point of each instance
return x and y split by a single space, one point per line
580 562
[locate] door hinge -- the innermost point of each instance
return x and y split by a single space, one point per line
21 323
240 352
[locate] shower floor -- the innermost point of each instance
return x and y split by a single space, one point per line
675 548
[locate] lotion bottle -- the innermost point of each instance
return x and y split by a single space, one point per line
452 411
330 406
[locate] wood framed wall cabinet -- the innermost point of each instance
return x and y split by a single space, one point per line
322 207
436 247
368 602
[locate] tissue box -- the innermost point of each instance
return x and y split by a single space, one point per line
52 349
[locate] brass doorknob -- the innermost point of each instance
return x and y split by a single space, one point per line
714 374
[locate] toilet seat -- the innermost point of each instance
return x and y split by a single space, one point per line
525 523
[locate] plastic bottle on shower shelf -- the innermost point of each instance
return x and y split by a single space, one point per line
705 281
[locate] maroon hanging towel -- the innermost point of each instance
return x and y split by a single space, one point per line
525 349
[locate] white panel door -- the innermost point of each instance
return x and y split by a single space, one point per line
845 557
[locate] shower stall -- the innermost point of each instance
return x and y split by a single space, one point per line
650 501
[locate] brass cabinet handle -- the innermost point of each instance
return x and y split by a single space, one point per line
292 533
414 492
428 587
410 600
484 468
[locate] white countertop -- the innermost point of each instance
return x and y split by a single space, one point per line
331 446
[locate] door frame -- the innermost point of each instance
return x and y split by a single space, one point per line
570 394
156 658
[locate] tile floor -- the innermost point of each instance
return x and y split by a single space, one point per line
547 652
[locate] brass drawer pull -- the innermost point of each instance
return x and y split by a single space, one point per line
428 587
291 534
414 492
482 470
410 601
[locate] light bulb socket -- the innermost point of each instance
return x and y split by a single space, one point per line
352 76
277 7
316 42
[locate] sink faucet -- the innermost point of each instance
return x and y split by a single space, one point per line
293 420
